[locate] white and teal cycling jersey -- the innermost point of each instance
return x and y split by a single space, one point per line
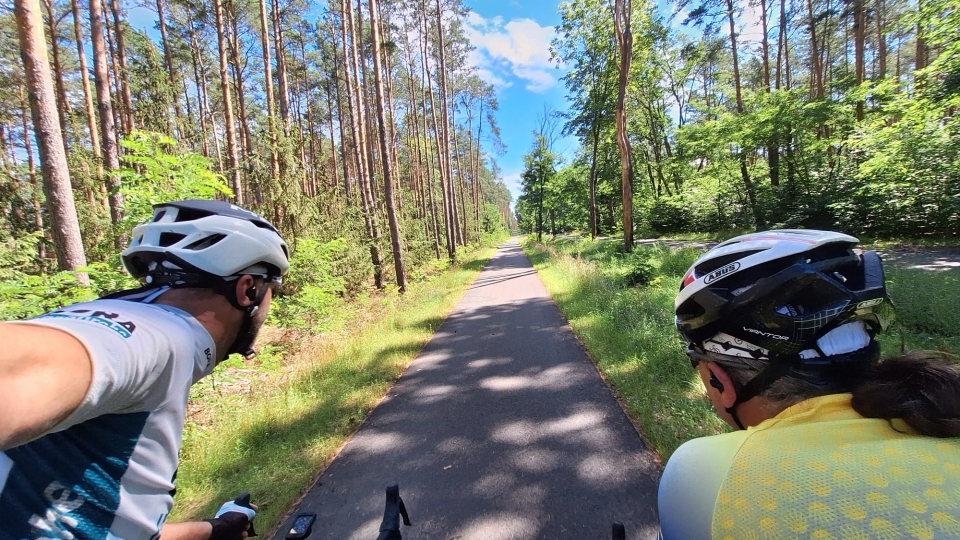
107 471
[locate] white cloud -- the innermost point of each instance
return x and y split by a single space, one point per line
519 48
512 181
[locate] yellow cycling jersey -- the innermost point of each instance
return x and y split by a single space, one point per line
817 470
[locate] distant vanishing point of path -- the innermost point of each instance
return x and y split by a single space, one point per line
500 429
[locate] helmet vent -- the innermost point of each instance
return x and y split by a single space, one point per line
204 243
191 214
168 239
159 215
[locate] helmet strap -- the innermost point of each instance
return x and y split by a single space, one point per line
778 367
244 340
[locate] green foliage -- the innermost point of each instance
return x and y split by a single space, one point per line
30 296
311 290
927 317
155 171
630 334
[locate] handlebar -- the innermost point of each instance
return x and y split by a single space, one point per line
243 499
393 510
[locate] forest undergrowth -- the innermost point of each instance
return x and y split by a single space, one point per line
620 305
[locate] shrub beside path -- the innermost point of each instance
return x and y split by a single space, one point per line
502 428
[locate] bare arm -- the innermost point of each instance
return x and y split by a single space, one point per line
44 376
190 530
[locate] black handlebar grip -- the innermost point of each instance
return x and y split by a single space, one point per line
243 500
393 510
619 531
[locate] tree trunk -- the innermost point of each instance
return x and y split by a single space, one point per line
444 109
921 54
232 158
880 15
268 81
168 64
764 45
87 91
32 174
63 106
358 125
859 47
438 139
108 130
622 26
278 45
234 44
122 59
593 174
53 158
385 154
744 173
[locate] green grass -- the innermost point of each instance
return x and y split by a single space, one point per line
928 311
270 425
629 330
629 333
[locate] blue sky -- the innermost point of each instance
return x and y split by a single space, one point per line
512 41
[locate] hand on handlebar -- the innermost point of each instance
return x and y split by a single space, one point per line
234 520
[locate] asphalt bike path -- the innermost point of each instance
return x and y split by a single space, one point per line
501 428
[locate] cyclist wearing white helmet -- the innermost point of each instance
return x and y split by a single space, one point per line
94 394
833 442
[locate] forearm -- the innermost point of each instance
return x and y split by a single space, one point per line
44 376
189 530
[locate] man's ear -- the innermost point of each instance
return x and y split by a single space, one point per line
247 290
728 394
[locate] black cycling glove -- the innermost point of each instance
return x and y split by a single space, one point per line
231 522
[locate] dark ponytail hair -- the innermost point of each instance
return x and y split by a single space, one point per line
919 388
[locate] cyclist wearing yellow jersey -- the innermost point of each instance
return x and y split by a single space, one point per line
833 442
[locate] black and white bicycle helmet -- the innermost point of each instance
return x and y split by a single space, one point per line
205 238
782 291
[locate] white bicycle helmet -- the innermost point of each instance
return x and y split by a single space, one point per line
782 290
204 238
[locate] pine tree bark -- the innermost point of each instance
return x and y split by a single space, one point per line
47 132
278 45
233 41
232 158
438 139
168 60
358 123
121 55
87 91
385 151
268 81
108 129
31 174
445 128
63 106
880 16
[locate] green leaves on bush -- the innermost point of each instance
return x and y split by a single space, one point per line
312 289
